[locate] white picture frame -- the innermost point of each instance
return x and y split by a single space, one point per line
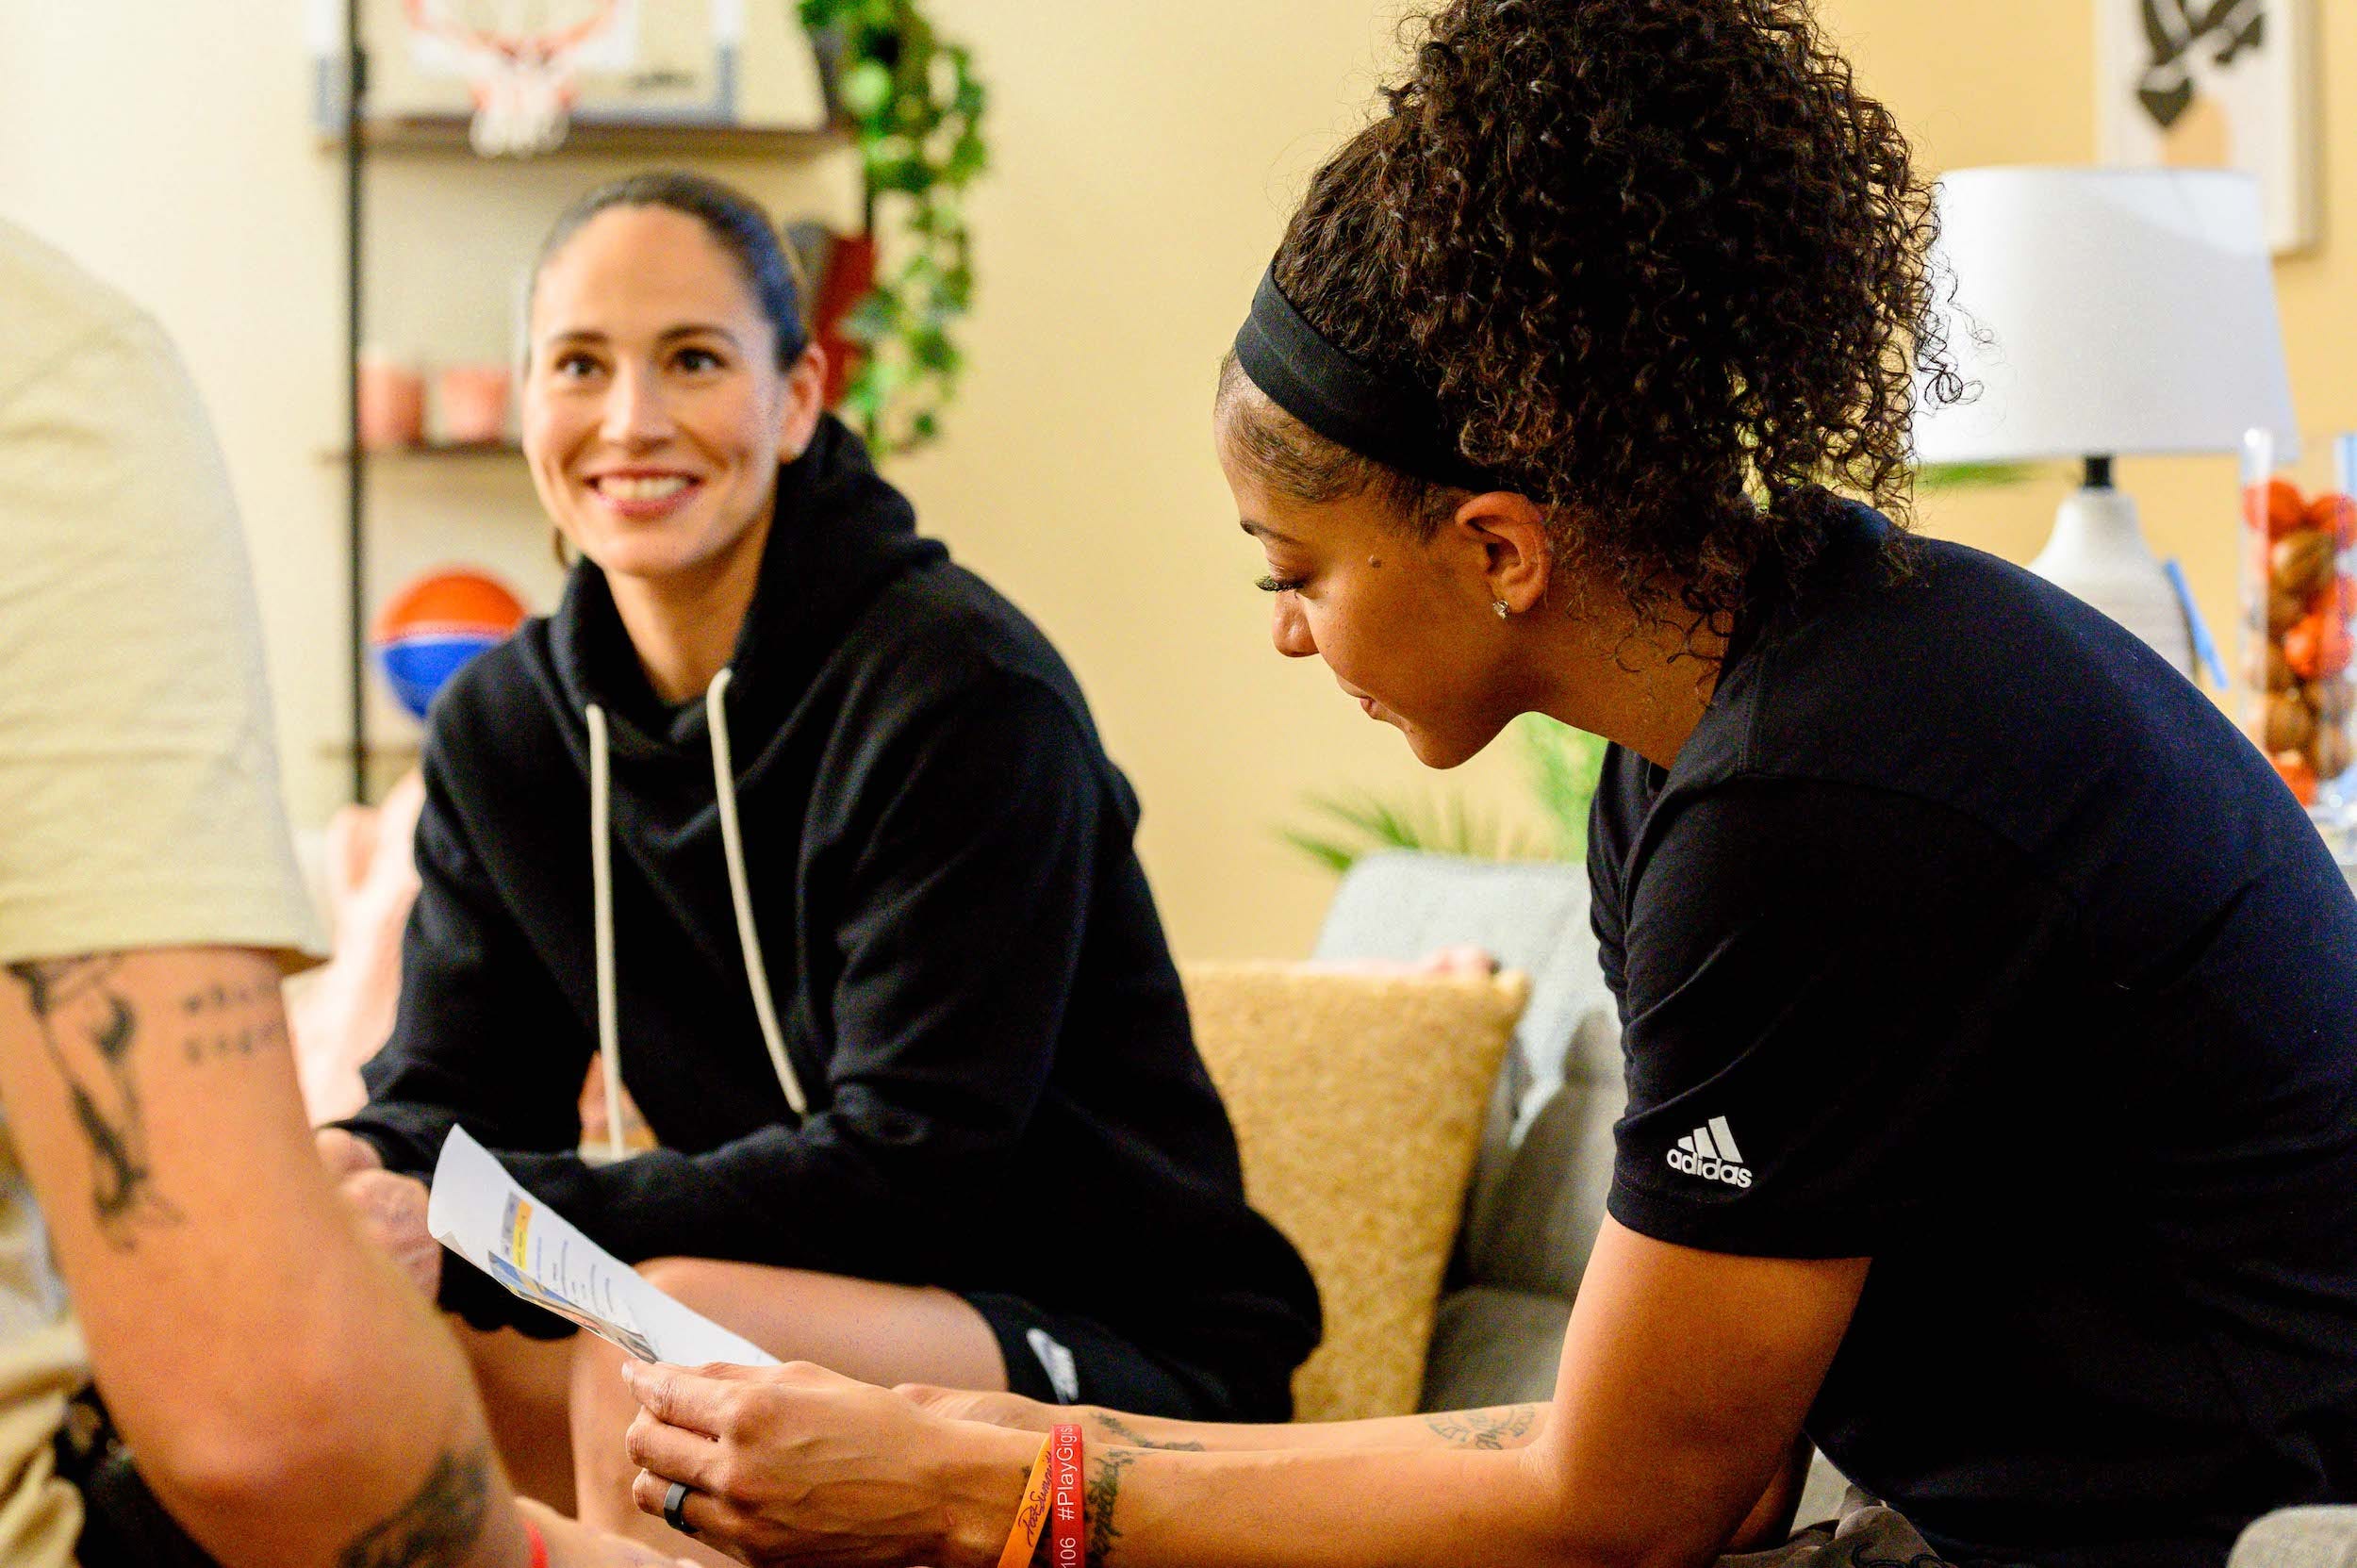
2215 84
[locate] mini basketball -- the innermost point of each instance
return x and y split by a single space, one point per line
435 625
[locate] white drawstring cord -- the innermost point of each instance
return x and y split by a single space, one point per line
733 845
602 907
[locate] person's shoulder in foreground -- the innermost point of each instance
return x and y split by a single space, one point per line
228 1303
1969 936
138 763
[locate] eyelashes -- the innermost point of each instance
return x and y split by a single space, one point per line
1278 584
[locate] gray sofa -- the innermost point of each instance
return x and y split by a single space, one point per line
1537 1191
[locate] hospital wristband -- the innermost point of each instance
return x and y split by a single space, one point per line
1030 1514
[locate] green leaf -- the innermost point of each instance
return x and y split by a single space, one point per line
866 87
1960 477
1335 856
1562 764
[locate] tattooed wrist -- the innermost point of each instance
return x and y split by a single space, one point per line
1502 1427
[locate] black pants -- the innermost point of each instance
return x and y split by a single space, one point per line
122 1524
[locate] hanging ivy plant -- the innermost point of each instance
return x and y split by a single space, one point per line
916 109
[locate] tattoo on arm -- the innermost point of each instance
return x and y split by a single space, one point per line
1104 1491
436 1528
1490 1428
1122 1432
91 1030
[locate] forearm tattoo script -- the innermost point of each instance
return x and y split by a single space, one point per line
1129 1437
92 1032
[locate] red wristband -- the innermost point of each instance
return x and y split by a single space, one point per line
539 1547
1068 1530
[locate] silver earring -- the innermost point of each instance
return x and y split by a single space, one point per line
1502 607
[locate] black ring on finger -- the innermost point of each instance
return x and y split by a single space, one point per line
671 1501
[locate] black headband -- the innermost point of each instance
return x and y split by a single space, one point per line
1393 420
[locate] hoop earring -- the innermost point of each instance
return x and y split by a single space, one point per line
558 548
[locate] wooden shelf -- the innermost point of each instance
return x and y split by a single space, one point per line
446 135
427 451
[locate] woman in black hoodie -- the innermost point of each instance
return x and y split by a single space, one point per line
812 831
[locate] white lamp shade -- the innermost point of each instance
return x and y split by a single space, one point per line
2105 311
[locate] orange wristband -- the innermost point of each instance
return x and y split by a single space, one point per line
1064 1543
1030 1517
539 1547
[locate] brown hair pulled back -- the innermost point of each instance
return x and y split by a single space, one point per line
1665 266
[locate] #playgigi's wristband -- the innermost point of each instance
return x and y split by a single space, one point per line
1064 1548
539 1547
1031 1515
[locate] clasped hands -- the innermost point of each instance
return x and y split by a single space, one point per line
788 1463
389 1205
796 1464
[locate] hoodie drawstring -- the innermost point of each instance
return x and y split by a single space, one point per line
733 845
740 896
601 905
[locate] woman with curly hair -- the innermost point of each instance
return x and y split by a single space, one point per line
1989 1012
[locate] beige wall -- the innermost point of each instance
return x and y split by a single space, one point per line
1145 157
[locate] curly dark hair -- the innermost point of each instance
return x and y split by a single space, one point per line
1665 267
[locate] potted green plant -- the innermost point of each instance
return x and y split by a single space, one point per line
1560 764
914 108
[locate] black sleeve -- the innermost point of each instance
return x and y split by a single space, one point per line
482 1035
1821 985
959 934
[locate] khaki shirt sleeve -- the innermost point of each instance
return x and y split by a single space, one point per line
140 800
40 1515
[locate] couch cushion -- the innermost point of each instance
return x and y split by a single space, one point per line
1531 915
1538 1188
1358 1102
1493 1346
1537 1205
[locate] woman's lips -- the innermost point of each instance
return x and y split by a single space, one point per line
644 497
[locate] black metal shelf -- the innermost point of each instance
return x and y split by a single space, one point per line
357 137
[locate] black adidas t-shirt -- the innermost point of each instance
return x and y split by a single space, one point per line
1966 935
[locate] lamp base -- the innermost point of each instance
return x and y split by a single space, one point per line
2098 552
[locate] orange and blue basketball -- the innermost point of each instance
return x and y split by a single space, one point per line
428 630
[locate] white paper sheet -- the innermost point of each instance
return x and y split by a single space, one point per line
477 1211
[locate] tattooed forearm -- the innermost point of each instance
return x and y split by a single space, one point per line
435 1528
91 1031
1104 1491
1503 1426
1129 1436
231 1020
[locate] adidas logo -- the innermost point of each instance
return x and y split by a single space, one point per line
1709 1152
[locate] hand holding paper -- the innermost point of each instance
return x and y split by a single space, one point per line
478 1211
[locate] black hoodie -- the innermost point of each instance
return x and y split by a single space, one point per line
967 970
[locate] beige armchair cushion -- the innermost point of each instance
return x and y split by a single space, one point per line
1357 1100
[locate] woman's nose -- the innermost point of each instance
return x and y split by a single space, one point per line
1289 629
634 409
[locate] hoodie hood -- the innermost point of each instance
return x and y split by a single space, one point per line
838 535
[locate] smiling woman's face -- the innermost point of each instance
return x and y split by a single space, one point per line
1406 626
654 411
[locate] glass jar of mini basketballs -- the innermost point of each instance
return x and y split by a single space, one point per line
2296 698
